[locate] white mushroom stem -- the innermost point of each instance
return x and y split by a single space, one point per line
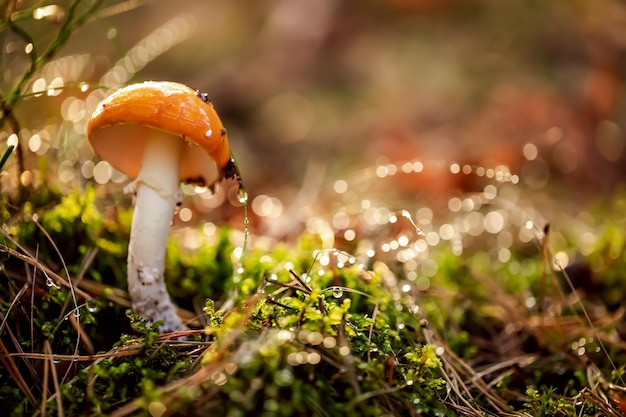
156 191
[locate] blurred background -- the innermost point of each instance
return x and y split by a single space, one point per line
403 100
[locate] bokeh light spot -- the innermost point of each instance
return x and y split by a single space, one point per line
494 222
340 186
530 151
102 172
185 214
609 140
266 206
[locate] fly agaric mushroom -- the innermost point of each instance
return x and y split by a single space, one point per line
160 133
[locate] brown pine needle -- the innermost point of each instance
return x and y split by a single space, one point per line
9 364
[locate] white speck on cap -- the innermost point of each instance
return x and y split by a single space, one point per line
208 133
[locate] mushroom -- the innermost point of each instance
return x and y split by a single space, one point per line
160 133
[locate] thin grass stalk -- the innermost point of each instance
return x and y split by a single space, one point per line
55 378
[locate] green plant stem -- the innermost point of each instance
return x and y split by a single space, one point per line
72 21
6 155
67 28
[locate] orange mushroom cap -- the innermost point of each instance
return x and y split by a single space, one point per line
118 129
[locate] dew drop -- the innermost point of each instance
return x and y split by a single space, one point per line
407 215
242 196
92 305
337 292
50 283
